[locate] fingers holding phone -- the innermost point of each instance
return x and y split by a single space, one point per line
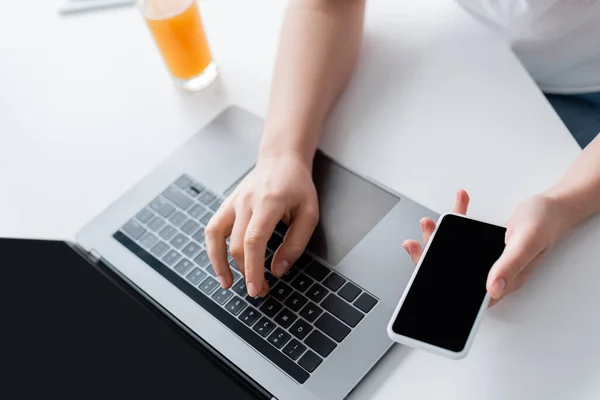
444 300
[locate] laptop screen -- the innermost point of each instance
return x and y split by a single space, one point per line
68 331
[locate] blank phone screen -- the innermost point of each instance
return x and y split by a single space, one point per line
445 297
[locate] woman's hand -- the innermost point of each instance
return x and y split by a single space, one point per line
279 188
535 226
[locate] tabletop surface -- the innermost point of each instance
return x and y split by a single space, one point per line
437 103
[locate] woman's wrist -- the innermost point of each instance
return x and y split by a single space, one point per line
276 144
568 211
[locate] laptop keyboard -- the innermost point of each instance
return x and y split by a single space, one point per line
304 317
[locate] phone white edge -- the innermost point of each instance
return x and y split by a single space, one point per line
417 344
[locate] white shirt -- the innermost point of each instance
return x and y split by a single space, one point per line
558 41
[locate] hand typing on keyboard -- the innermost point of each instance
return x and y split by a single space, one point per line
279 188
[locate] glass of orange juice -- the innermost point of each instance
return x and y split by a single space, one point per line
177 29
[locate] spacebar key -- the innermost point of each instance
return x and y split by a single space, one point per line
342 310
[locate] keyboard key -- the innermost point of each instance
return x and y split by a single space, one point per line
196 276
271 307
156 224
255 301
303 261
197 211
144 215
294 349
222 295
233 264
296 301
236 275
274 242
215 205
349 291
202 259
191 250
134 229
148 240
236 305
211 270
320 343
271 280
281 228
206 218
279 338
316 270
183 182
190 227
240 288
209 285
179 241
268 262
159 249
171 257
281 291
285 318
162 207
342 310
311 312
178 198
290 274
317 293
195 189
365 302
167 232
206 198
199 235
310 361
178 219
301 283
249 316
300 329
334 282
263 327
183 266
332 327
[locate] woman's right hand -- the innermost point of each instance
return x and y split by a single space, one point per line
279 188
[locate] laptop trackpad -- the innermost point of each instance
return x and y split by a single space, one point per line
349 206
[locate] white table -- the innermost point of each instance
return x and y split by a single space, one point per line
437 103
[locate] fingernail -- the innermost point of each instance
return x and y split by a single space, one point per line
281 267
498 288
252 290
404 246
221 280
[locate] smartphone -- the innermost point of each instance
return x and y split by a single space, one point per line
446 296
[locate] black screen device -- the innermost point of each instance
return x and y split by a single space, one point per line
442 304
73 329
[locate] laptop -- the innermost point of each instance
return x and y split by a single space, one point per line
322 326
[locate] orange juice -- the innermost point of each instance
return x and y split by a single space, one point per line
177 29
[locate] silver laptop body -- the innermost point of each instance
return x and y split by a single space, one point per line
359 238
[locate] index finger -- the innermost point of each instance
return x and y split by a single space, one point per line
215 235
259 231
462 202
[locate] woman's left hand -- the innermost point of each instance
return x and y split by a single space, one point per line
534 227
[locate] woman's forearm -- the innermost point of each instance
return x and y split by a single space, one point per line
318 48
579 190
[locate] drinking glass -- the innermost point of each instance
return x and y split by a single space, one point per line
177 29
